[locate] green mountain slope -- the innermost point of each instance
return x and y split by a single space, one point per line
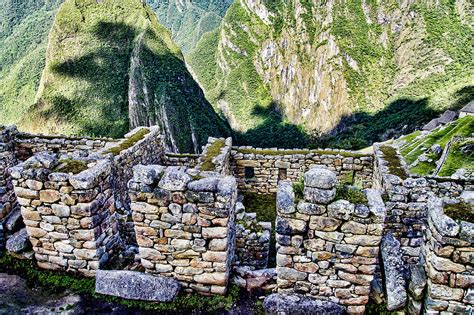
368 69
24 27
111 67
189 20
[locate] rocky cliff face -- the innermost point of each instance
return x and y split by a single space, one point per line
111 67
318 62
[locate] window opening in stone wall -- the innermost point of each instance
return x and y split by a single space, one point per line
282 174
249 173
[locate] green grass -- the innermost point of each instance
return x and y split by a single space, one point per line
129 142
460 212
212 151
394 164
60 281
298 189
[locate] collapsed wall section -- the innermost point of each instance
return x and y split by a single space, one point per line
184 224
327 249
70 219
260 170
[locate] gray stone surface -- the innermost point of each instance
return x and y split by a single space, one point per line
204 184
174 178
319 196
285 198
14 220
394 273
444 224
147 174
341 209
417 281
298 304
18 242
321 178
136 286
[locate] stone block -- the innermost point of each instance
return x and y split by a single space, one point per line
136 286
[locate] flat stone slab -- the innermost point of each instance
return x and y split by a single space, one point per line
136 285
298 304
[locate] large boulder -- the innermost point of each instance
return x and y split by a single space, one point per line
395 283
285 198
136 285
18 242
298 304
321 178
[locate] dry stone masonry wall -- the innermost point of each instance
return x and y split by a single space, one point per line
327 249
185 225
448 252
406 202
260 170
7 160
70 219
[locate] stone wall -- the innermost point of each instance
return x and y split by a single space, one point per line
448 252
269 166
184 224
188 160
327 249
146 151
70 219
7 159
406 202
252 240
26 145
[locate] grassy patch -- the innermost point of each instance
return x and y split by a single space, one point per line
70 166
456 159
60 281
352 194
212 151
394 164
460 212
129 142
298 189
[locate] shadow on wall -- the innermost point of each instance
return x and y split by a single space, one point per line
356 131
101 106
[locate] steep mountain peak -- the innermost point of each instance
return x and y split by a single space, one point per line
111 67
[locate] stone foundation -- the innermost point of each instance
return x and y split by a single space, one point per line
448 254
70 219
184 224
327 249
269 166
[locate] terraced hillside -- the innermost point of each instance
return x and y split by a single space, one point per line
445 151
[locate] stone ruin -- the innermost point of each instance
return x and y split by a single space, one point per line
76 204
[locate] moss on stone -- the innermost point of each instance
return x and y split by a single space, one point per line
293 152
212 151
460 212
394 164
129 142
70 166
